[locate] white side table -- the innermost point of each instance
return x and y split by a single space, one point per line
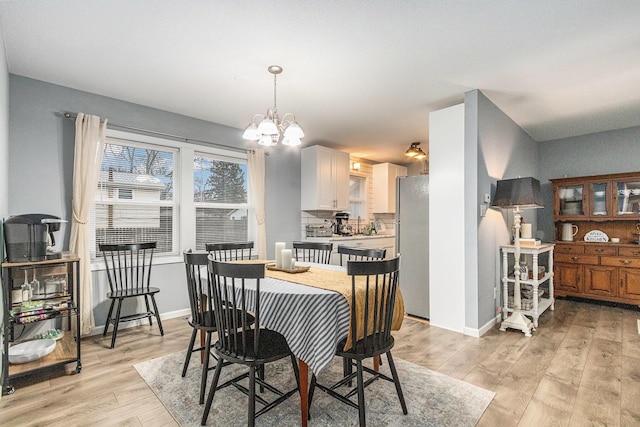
529 255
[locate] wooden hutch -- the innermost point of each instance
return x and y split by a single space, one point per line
592 266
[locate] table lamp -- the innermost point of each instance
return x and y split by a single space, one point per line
516 194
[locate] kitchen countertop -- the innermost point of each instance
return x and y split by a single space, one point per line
338 238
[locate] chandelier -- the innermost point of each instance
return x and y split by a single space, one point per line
415 152
270 129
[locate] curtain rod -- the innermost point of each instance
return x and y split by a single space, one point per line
153 132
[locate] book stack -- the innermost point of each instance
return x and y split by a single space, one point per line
530 242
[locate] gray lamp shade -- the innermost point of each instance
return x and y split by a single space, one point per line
520 192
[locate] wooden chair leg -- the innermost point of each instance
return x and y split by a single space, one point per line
116 323
396 381
376 363
361 408
155 308
203 337
205 369
146 303
212 392
108 322
251 414
192 341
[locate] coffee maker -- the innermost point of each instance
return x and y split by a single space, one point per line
341 225
29 237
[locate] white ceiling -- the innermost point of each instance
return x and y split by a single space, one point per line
359 75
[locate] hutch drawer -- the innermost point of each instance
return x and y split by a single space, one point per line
569 249
621 262
577 259
629 252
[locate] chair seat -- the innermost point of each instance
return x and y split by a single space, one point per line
135 292
209 323
273 346
363 350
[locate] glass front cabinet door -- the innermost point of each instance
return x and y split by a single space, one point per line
570 202
627 198
600 200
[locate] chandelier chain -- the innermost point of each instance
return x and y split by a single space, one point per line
275 90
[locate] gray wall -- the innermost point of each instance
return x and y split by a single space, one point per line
502 150
593 154
41 165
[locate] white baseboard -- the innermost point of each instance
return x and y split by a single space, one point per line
135 323
477 333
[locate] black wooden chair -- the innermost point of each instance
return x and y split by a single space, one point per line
317 252
128 269
230 251
351 253
202 317
237 342
381 280
360 254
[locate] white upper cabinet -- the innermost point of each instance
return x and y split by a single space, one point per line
325 179
384 186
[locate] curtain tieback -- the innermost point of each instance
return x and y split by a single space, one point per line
75 217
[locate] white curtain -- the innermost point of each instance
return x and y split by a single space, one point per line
255 160
90 136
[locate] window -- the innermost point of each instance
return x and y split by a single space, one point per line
151 189
135 199
357 206
125 193
220 197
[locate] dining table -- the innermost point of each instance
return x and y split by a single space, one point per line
312 319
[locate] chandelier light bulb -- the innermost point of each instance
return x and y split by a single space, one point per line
291 140
267 141
251 132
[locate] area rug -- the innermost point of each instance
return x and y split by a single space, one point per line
433 399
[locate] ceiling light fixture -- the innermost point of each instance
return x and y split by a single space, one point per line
271 129
415 152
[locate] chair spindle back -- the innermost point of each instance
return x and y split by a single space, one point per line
128 265
379 279
227 285
230 251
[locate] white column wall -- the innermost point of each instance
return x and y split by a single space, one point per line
446 218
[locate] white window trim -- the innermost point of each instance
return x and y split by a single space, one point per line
365 185
184 202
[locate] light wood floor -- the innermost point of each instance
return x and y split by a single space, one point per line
582 367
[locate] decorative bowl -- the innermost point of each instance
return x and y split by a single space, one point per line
30 350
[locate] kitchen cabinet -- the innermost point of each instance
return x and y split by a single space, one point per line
384 186
324 179
537 292
610 206
50 291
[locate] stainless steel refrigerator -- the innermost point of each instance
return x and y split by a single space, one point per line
412 242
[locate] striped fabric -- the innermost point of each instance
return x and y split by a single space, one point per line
312 320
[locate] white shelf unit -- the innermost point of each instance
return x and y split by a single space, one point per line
529 255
